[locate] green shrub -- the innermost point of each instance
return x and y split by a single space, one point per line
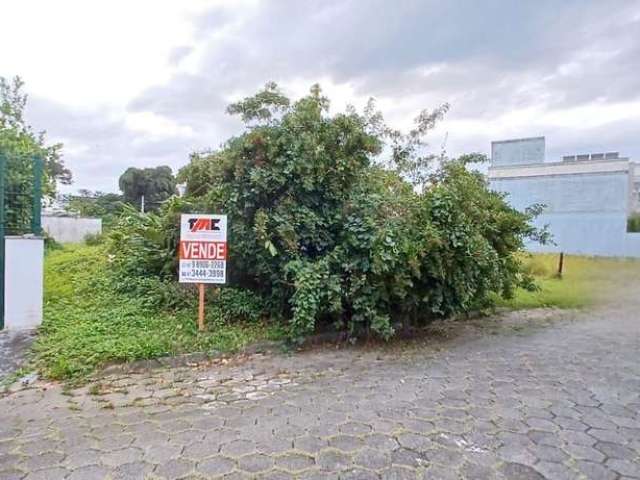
93 238
326 234
50 243
536 266
633 223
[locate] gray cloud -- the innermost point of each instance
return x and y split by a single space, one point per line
178 54
487 59
98 149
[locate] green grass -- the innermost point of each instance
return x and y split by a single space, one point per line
86 324
585 281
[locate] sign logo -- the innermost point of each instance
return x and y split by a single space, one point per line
199 224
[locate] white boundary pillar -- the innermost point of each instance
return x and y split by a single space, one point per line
23 282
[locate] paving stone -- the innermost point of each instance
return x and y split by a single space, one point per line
333 460
372 459
161 453
541 424
358 474
581 438
173 469
409 458
237 448
446 456
556 471
121 457
414 441
55 473
518 471
516 454
582 452
346 443
476 471
45 460
13 474
399 473
91 472
309 444
10 460
545 438
132 471
294 462
255 462
354 428
624 467
548 453
607 436
595 470
217 465
318 475
275 475
385 443
237 476
614 450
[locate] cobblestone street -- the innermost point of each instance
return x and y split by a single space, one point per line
13 347
513 398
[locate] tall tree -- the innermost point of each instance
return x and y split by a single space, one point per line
155 184
19 142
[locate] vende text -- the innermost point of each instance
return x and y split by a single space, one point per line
203 250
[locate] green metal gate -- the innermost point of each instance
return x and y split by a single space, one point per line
20 204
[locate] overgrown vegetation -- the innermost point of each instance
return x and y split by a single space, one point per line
88 321
335 221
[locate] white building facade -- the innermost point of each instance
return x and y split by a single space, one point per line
588 198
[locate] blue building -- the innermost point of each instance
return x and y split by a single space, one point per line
588 198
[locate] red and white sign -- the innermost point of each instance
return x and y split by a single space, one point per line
203 248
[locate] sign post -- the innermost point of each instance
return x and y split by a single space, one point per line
203 253
201 306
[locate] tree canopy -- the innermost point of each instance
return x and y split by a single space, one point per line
19 143
155 184
98 204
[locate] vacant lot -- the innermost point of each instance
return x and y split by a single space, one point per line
87 324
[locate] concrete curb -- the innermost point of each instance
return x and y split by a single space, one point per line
187 359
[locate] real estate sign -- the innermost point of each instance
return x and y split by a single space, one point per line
203 248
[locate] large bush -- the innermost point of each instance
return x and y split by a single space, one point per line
328 233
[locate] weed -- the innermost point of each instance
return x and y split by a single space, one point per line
88 323
95 389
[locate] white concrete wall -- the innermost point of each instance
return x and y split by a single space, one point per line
24 263
70 229
586 212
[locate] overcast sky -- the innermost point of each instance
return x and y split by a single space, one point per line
146 82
